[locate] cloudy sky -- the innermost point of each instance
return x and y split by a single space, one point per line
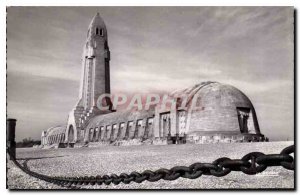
152 49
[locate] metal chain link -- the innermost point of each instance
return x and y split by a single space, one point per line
252 163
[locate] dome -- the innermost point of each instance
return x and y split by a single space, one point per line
55 130
219 108
214 94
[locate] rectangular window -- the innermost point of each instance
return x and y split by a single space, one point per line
101 133
122 125
121 129
150 121
114 128
140 122
129 129
108 131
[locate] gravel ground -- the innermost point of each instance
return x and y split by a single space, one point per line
113 159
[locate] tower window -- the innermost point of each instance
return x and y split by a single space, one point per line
99 31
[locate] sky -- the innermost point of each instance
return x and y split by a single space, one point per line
152 49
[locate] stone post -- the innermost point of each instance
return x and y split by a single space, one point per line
174 122
156 121
10 138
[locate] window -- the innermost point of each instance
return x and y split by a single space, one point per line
150 121
122 125
99 31
91 134
243 116
114 128
101 133
128 130
140 122
82 133
108 131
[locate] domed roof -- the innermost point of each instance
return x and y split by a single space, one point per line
55 130
212 94
216 107
223 95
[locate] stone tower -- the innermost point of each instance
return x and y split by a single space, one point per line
95 80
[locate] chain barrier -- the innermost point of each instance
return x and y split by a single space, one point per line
252 163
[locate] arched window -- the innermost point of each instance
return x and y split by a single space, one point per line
101 32
91 135
97 31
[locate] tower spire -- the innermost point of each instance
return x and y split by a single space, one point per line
96 25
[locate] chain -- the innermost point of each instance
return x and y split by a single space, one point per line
252 163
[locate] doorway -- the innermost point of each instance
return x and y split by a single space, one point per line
71 134
243 117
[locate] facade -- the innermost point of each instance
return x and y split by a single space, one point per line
215 112
53 136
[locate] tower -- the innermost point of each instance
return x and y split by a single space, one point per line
95 80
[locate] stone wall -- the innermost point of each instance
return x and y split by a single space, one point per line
226 137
